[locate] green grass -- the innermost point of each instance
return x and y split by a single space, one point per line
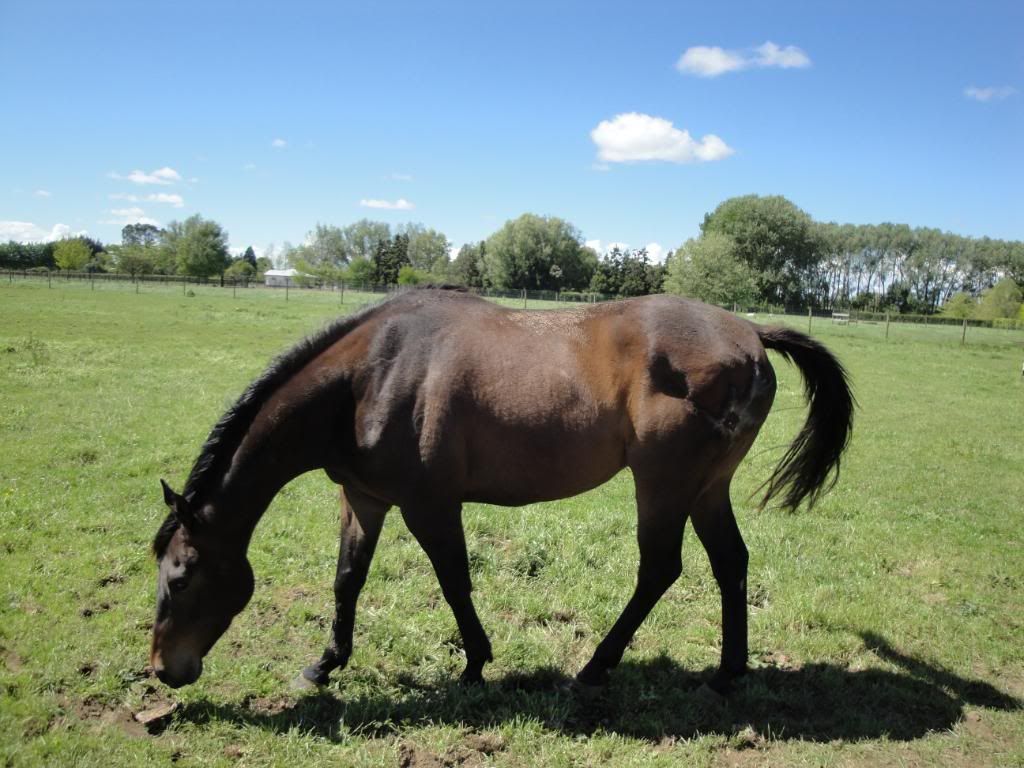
886 625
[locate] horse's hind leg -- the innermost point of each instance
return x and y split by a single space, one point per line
361 521
715 525
662 518
439 532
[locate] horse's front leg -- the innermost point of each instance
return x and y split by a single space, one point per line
439 531
361 521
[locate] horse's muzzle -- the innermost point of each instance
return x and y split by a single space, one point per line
177 678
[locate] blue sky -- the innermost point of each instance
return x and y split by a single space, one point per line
271 117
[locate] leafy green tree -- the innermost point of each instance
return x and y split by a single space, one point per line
468 267
200 246
361 238
388 259
263 263
710 269
361 271
250 256
1001 300
135 259
240 269
15 255
428 249
960 305
140 234
522 252
72 254
409 275
774 238
627 273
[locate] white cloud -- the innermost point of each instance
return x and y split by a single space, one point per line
401 204
171 199
279 143
401 177
239 250
124 196
27 232
790 57
635 137
709 61
990 93
133 215
712 61
127 213
42 193
161 176
656 252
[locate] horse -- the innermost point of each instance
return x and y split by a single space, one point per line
434 398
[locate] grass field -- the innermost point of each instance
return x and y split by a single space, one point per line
887 625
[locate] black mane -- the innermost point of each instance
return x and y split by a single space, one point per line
228 433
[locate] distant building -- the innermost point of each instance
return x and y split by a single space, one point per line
280 278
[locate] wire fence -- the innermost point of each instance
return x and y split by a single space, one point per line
936 328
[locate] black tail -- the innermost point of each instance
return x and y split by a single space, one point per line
814 455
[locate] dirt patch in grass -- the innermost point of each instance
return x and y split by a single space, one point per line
269 705
89 611
12 662
470 752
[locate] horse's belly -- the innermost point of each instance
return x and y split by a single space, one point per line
514 467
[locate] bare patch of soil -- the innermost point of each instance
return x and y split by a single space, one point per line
269 705
469 753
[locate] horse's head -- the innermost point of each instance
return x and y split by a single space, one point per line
202 584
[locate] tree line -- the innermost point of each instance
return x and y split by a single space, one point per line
752 251
756 250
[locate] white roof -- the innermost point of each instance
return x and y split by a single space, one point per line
281 272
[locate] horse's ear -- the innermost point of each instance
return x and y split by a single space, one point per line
170 497
181 506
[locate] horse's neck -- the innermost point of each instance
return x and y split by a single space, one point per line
275 451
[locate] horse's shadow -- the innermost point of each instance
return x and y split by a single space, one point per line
652 700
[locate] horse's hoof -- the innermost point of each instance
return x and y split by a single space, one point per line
309 679
584 691
593 678
302 683
467 680
708 696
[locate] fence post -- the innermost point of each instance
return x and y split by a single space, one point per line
48 279
810 316
886 326
287 280
963 336
342 299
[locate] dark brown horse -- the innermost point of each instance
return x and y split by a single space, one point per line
435 398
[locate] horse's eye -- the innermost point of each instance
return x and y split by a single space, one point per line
178 583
